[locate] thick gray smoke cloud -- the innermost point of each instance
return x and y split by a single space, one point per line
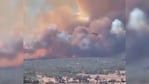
137 36
96 40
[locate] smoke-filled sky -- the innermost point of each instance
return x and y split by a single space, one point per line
69 28
11 25
137 15
34 29
137 37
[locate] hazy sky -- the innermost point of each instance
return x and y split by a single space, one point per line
65 28
34 29
11 25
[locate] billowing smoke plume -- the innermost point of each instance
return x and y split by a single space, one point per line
59 30
118 28
103 37
137 36
137 20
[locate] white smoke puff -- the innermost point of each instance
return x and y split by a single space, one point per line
117 28
137 20
63 36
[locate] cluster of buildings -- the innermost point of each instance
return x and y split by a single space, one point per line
117 77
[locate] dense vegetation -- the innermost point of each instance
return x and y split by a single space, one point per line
72 66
